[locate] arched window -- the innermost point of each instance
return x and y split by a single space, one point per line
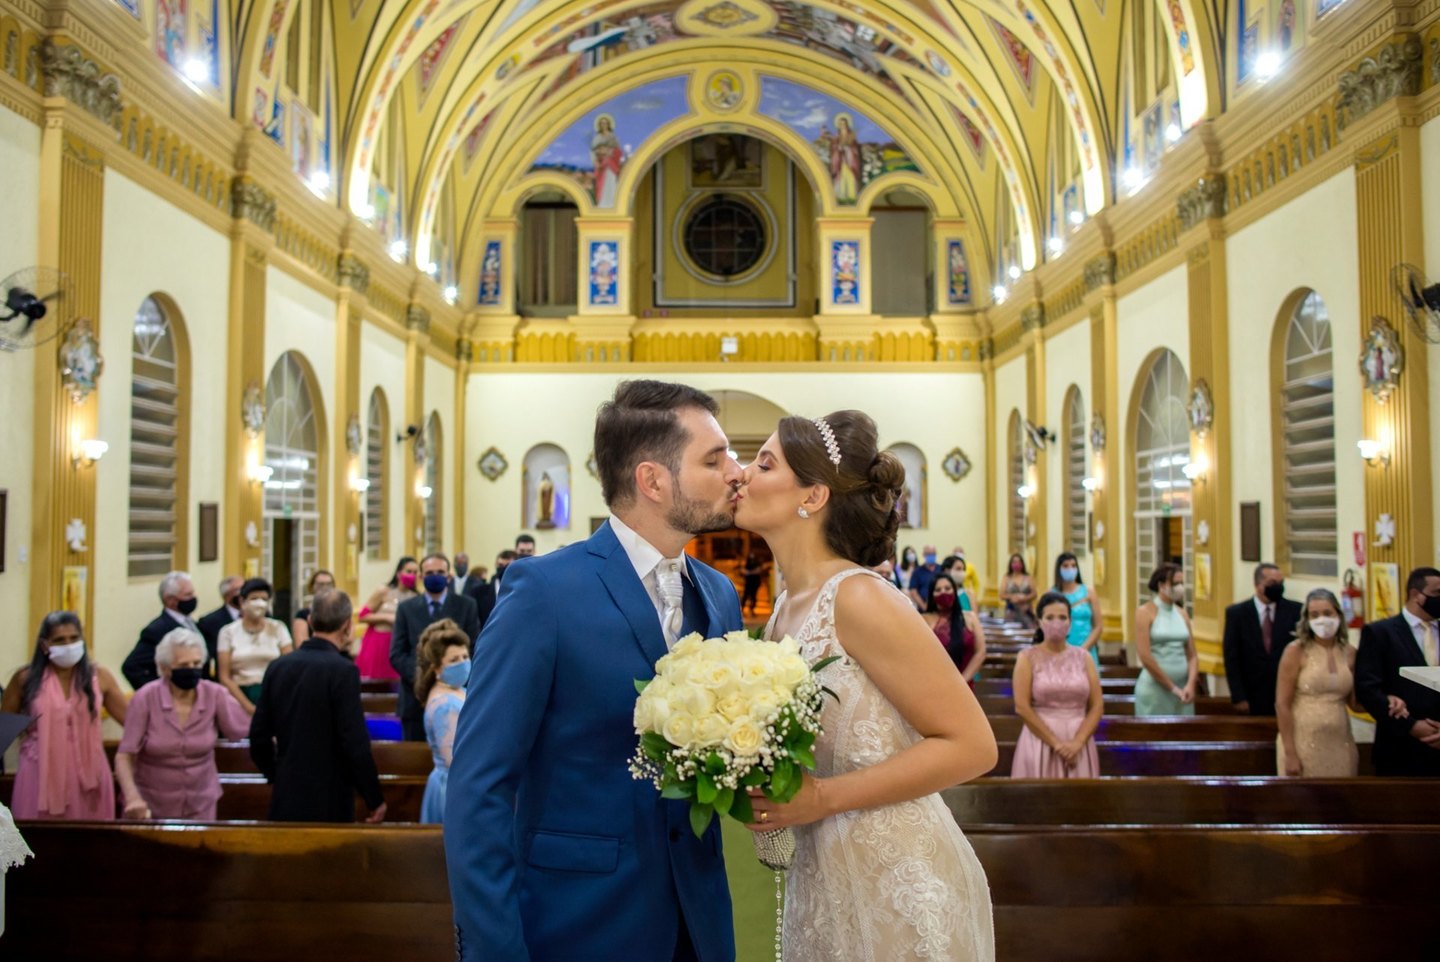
1015 459
914 504
1307 442
1074 466
434 467
549 256
291 513
158 422
1162 492
545 486
377 426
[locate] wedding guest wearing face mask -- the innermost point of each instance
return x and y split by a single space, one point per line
63 772
442 667
211 623
378 617
1256 633
1085 618
955 567
1018 591
177 595
247 646
166 761
959 632
1407 714
1314 688
922 578
1165 644
971 585
1058 697
321 580
908 560
411 619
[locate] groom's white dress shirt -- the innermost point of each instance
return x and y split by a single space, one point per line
647 560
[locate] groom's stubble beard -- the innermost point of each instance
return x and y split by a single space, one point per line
695 516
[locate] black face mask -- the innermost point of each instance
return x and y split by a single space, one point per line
185 679
188 606
461 570
1431 606
1274 591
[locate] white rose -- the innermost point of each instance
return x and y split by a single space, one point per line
679 729
755 669
692 700
764 703
744 737
710 730
651 712
792 670
715 674
733 705
739 638
690 645
788 646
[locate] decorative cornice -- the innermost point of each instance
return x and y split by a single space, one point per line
1435 60
1033 318
353 273
249 201
66 72
1100 272
417 318
1207 199
1394 72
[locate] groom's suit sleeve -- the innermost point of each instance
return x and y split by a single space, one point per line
505 703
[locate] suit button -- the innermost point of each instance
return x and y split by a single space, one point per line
674 835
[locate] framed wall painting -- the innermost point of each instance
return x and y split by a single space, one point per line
1250 547
209 531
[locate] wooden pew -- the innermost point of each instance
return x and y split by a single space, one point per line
1167 728
1114 705
1131 758
373 893
380 703
997 684
391 758
1194 801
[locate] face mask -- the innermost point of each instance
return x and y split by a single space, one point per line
456 675
945 602
1325 628
957 576
185 679
1055 630
233 602
1432 606
929 557
1016 567
188 606
909 557
407 581
461 570
1068 573
257 607
67 656
436 582
1274 591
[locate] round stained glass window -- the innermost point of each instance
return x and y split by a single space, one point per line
725 236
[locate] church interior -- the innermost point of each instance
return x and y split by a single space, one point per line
297 286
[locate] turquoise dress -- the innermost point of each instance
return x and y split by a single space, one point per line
1082 619
442 711
1168 635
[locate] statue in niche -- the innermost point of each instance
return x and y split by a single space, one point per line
545 498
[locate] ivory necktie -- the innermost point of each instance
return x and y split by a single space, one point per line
672 597
1432 644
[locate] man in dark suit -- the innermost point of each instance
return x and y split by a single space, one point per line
308 735
412 617
177 594
503 560
1256 633
1406 713
481 592
211 623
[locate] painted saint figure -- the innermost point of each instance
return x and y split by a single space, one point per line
546 502
605 148
844 149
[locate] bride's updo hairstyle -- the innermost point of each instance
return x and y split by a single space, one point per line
861 520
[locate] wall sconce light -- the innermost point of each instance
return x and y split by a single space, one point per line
1091 485
259 473
1196 469
88 452
359 485
1026 491
1374 452
423 491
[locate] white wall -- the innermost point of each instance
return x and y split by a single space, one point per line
514 411
439 397
189 262
382 365
1430 205
20 200
1265 267
1067 363
1010 395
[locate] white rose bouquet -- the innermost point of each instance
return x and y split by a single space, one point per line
724 715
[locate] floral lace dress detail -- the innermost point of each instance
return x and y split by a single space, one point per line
881 884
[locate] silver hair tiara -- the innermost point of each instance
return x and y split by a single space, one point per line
832 447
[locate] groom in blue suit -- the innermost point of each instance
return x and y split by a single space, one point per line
554 851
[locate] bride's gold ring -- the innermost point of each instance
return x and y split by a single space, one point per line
764 816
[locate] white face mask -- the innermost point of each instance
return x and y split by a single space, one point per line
67 656
257 607
1325 628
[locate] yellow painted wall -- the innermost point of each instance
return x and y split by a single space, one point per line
1430 189
440 397
382 364
19 198
1010 395
514 411
1067 363
188 262
1266 265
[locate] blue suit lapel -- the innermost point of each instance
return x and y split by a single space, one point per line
618 576
714 614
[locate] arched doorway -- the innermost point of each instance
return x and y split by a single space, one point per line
1162 491
294 442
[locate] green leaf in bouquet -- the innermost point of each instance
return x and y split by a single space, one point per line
779 782
755 777
804 756
678 791
723 800
705 790
830 692
823 662
700 816
641 684
655 745
714 764
740 809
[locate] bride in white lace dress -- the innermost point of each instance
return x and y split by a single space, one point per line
881 873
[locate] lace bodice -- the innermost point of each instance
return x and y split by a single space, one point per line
891 883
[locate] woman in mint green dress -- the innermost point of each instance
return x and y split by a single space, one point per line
1085 618
1164 642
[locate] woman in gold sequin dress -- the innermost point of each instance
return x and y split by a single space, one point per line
1316 683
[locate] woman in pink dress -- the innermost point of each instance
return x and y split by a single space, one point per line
378 617
63 771
166 762
1058 696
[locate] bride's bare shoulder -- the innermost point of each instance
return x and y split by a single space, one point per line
865 603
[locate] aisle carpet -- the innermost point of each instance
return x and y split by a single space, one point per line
752 889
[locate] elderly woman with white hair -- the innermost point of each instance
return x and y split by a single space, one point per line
166 762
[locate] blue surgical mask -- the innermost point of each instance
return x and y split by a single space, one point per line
929 557
456 675
1068 573
436 582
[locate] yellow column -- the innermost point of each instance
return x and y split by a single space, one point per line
846 326
493 321
1037 509
349 423
992 496
600 332
464 354
417 341
72 186
1107 561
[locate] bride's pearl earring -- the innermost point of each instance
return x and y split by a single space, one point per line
802 512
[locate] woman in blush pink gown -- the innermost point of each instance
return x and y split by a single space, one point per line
1058 696
378 617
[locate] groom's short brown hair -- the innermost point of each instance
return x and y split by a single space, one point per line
641 423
